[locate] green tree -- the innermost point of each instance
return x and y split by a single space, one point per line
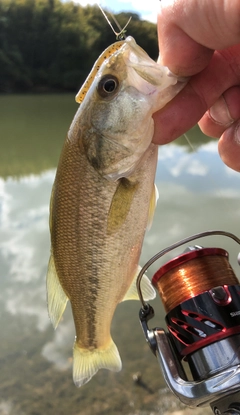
52 45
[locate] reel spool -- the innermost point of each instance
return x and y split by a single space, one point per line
201 296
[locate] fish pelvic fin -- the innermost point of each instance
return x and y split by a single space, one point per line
152 206
86 363
56 297
146 288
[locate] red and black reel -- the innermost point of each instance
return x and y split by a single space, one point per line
201 296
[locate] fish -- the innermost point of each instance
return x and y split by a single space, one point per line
103 200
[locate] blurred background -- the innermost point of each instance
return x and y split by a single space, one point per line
47 48
49 45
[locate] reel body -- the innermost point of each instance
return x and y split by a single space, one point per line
201 295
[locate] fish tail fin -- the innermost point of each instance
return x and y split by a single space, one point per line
86 363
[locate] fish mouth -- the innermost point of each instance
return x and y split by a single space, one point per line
143 72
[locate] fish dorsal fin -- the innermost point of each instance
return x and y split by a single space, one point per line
56 297
106 54
146 288
152 206
121 204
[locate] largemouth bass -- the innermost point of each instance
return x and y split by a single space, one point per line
103 200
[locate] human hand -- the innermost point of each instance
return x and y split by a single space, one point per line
201 39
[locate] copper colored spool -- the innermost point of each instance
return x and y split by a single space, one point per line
192 273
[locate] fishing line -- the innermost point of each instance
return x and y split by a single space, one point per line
189 142
180 262
193 277
120 35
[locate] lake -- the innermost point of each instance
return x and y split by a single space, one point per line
197 192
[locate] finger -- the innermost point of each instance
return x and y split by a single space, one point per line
185 50
201 92
181 114
229 146
224 112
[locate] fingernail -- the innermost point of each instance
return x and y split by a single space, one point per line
237 133
219 112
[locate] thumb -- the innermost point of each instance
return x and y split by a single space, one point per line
229 146
190 30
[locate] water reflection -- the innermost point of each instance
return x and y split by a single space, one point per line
197 192
32 130
24 244
200 171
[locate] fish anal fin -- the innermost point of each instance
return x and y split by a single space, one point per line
56 297
152 206
86 363
121 204
146 288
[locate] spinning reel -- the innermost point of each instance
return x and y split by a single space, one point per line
201 297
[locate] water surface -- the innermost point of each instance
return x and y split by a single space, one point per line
197 192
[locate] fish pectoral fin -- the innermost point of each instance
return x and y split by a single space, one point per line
121 204
86 363
152 206
56 297
147 289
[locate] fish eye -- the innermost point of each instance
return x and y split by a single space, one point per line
107 86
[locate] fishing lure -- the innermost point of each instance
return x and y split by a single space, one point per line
105 55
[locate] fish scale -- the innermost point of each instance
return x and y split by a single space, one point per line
103 200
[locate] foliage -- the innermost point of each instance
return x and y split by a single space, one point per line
51 45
